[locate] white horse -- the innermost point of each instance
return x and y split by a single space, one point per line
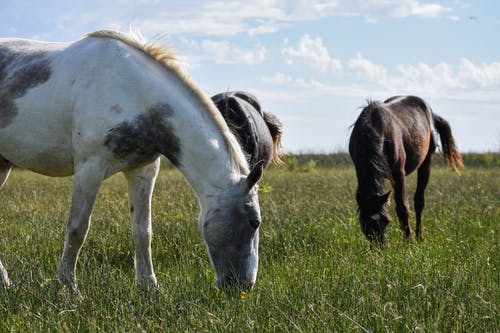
112 102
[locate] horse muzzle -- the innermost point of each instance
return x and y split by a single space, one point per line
232 282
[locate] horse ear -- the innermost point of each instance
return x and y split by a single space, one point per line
255 175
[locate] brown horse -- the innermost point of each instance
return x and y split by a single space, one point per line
390 140
258 132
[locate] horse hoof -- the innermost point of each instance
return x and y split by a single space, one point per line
147 283
67 285
6 282
5 276
67 291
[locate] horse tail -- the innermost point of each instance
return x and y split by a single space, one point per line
451 155
276 129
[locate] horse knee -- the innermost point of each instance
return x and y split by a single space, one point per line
419 202
77 233
142 234
403 213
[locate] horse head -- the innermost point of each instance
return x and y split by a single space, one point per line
230 229
373 217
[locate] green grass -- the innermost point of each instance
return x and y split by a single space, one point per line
317 273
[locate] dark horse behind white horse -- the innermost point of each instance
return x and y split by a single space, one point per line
389 141
258 132
113 103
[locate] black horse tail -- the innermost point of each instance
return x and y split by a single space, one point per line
451 155
276 129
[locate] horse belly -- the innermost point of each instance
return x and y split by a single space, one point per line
416 151
39 139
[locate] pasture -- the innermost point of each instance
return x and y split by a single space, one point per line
317 272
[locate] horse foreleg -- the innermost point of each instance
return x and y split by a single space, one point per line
401 206
5 167
419 198
140 188
5 276
87 179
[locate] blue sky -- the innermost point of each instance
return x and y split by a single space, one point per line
313 63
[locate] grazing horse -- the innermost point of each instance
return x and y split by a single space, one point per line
391 140
258 132
113 102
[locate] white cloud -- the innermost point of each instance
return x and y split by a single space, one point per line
277 78
367 69
424 78
484 75
262 29
222 52
213 18
375 10
314 53
464 79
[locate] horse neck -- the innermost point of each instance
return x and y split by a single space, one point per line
370 182
206 160
208 169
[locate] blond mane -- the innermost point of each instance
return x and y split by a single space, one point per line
166 56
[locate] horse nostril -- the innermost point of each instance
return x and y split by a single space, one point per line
227 283
254 223
247 286
230 281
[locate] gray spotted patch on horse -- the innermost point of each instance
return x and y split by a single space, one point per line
146 136
19 72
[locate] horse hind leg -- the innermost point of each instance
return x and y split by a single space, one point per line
5 168
419 199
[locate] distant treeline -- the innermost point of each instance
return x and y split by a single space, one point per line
310 161
490 159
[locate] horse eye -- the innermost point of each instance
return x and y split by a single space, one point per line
254 223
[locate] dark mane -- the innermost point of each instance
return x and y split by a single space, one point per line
365 130
258 132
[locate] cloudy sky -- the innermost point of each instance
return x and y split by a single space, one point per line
313 63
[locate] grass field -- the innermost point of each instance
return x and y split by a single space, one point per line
317 273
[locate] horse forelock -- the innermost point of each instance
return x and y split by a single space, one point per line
166 56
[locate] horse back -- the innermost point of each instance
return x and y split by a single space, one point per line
413 123
35 132
396 132
59 101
